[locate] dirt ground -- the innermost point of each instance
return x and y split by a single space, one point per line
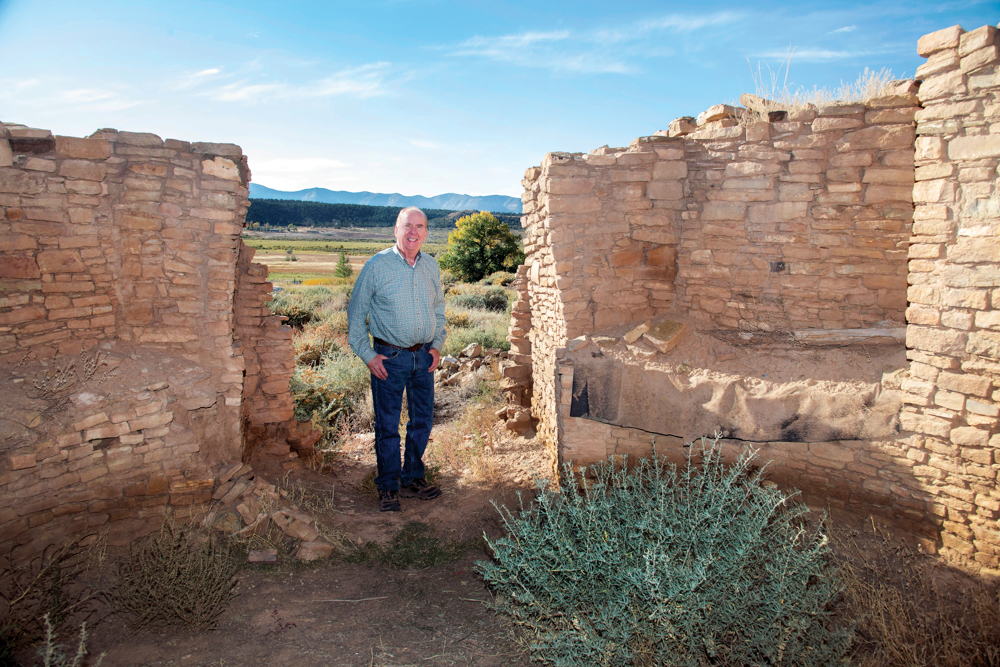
336 613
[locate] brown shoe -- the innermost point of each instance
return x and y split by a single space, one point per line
388 501
419 488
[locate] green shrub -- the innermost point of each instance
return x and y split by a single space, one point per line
490 333
501 278
305 304
343 268
55 655
495 299
331 391
459 319
177 577
448 280
705 566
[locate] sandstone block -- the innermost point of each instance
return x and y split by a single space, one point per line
263 556
942 61
6 155
151 421
26 314
314 550
943 341
570 186
108 431
569 204
974 147
969 436
669 190
713 133
977 39
83 170
74 147
670 170
635 333
968 250
60 261
681 126
781 212
722 210
19 267
665 336
22 461
941 85
874 175
879 137
718 112
980 408
948 38
877 194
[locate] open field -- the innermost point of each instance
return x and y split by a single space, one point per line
308 265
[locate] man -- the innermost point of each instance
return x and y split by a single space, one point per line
398 300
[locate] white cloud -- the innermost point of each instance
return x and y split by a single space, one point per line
96 99
419 143
186 81
680 23
364 81
360 82
811 55
849 28
542 50
602 51
241 92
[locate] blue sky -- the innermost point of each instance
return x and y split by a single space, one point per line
427 97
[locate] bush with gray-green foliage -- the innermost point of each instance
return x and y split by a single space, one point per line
495 299
659 566
305 304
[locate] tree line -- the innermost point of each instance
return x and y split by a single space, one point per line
284 212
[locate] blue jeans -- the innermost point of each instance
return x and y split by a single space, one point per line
407 370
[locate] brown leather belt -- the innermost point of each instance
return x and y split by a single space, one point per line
412 348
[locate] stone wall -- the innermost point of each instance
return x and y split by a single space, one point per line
765 230
122 345
954 315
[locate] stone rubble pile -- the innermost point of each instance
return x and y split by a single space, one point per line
244 504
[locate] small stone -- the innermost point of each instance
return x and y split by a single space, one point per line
263 556
665 336
472 350
634 334
310 551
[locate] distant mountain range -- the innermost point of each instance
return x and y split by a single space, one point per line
449 201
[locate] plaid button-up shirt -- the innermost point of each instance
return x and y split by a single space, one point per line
402 304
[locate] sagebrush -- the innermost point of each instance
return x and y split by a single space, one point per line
48 589
658 566
179 576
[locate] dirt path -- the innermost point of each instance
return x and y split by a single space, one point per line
336 613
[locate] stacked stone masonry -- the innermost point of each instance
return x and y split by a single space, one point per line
129 311
840 217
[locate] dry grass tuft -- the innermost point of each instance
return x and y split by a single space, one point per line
467 444
912 611
778 94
